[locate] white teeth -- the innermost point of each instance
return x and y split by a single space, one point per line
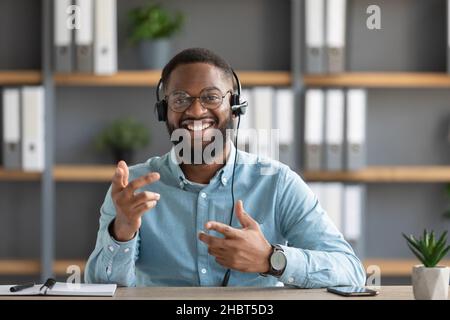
198 127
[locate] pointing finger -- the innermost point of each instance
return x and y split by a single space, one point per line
224 229
122 164
142 181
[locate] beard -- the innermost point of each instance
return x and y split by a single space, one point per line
199 141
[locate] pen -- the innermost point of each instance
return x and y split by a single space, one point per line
21 287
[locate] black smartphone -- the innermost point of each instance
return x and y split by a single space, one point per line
352 291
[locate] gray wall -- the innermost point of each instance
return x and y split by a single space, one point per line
405 126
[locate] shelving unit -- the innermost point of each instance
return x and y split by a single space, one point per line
380 80
151 78
96 173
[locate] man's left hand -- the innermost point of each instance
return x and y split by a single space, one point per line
245 249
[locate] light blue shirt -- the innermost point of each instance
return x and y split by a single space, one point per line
167 252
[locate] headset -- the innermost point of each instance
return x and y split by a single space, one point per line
238 108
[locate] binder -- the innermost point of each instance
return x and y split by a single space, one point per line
333 194
334 129
314 122
353 203
315 36
263 101
11 128
105 46
33 128
356 129
63 49
284 117
335 35
84 37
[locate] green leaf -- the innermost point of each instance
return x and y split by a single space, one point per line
427 249
152 22
418 255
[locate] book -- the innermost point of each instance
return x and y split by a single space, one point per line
63 289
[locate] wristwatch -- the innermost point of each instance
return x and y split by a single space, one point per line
277 262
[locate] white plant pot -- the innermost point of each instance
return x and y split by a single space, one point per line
430 283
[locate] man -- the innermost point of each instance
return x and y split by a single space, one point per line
165 222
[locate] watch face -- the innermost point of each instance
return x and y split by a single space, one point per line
278 260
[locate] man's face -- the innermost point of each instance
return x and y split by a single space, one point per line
195 79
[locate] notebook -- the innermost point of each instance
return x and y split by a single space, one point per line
63 289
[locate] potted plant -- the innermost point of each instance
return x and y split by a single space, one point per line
151 27
430 281
122 138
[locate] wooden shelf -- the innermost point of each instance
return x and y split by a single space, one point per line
396 267
33 267
151 78
388 267
83 173
375 174
380 80
394 174
18 175
21 77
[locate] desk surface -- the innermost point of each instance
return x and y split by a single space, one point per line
236 293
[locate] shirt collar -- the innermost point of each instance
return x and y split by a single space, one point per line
224 173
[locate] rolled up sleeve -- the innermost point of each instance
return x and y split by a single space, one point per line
317 253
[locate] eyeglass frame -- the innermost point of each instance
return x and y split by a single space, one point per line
193 98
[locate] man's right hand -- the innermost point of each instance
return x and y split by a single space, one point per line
130 206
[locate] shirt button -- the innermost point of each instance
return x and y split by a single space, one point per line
181 184
126 250
111 248
291 279
203 195
108 271
224 180
203 270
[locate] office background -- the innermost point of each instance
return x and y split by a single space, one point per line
405 126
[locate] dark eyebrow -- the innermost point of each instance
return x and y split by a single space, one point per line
179 91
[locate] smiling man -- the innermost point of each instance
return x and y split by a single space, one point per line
165 222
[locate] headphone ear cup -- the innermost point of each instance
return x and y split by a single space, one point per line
234 101
161 109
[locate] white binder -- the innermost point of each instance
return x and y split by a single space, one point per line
84 37
105 46
315 36
11 128
333 202
353 204
334 129
33 127
356 129
335 35
62 37
285 117
314 122
263 98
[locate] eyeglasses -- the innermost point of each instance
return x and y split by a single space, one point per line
179 101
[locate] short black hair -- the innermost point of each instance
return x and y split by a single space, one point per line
196 55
